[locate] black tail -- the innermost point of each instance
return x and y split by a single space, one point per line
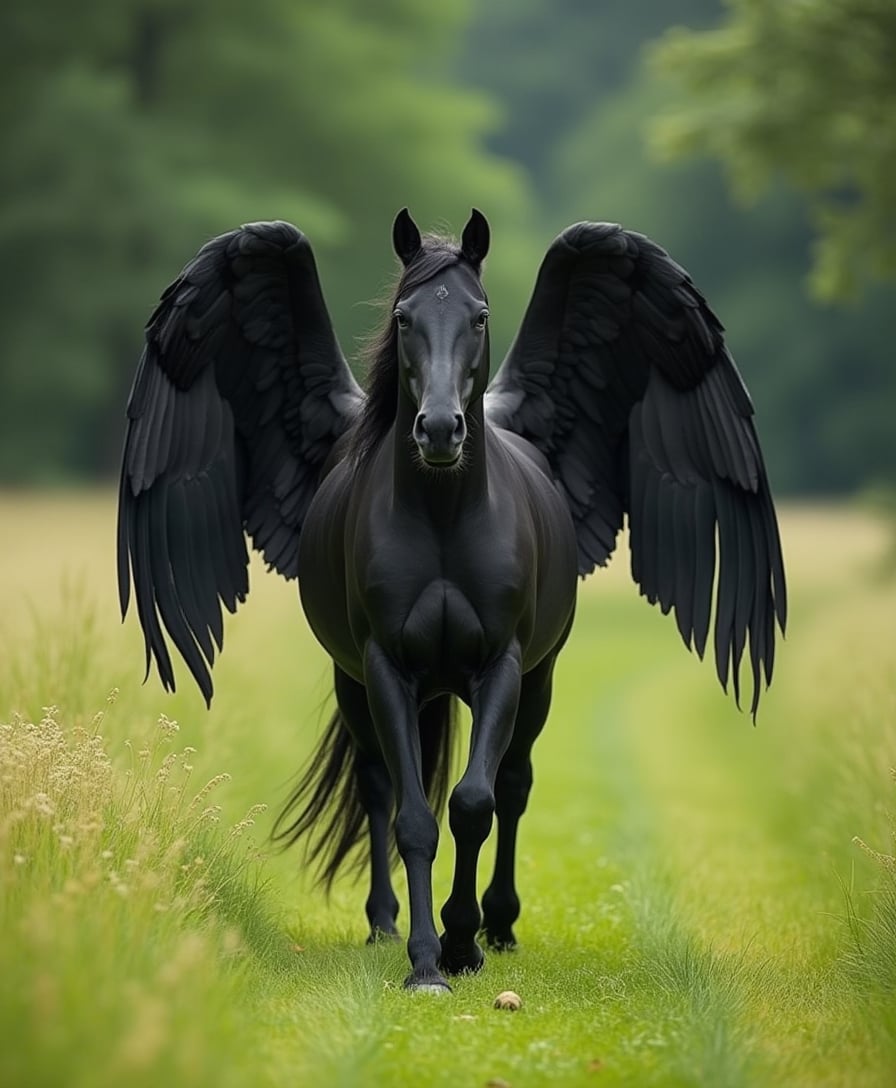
327 802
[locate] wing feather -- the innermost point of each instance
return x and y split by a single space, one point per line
204 545
665 544
684 541
758 626
704 564
726 594
180 548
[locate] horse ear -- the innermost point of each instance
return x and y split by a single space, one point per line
405 237
475 238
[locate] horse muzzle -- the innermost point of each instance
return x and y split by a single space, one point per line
440 437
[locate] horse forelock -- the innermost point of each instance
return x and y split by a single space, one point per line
381 355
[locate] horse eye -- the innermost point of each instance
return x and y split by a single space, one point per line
402 318
482 320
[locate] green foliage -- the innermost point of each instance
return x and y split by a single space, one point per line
805 91
550 62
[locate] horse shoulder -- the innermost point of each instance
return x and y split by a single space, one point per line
523 472
549 557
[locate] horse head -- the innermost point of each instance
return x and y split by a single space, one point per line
442 337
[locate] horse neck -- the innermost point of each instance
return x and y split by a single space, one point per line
440 494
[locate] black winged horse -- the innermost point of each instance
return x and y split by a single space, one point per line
437 522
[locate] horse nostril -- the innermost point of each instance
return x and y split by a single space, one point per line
439 434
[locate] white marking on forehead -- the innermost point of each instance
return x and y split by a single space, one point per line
441 292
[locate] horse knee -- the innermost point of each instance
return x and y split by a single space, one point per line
470 811
416 832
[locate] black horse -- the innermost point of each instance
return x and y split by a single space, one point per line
437 523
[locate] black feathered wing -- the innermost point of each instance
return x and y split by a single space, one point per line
239 397
621 377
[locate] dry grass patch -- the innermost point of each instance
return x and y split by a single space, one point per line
124 905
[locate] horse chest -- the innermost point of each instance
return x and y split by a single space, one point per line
441 623
442 637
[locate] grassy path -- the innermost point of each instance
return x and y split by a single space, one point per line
684 919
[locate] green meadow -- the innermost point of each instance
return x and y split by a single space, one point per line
705 902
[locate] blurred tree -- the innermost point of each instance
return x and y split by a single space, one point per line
821 377
806 91
549 61
136 129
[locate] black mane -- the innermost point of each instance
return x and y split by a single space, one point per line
435 254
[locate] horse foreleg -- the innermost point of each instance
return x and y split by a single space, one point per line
393 705
494 702
500 903
375 792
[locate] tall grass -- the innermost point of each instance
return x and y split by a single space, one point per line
124 910
873 954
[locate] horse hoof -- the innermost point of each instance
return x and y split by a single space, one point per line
427 984
461 960
501 942
385 936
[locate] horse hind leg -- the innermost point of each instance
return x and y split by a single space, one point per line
375 789
376 797
501 903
